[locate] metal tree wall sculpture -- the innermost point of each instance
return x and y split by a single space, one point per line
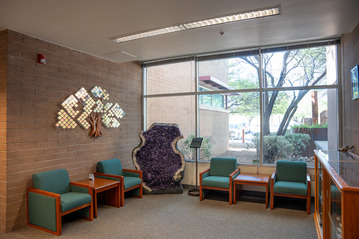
94 112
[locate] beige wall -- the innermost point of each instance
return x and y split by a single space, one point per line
216 68
214 124
34 95
171 78
350 58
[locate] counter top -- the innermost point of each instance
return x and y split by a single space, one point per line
346 165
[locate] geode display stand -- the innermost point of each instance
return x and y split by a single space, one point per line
159 159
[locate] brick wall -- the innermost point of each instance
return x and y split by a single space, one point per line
3 70
35 92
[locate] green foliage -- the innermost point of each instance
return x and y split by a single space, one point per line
205 150
275 147
278 147
299 143
301 67
312 126
246 104
281 104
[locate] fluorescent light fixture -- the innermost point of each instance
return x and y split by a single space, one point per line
203 23
149 34
233 18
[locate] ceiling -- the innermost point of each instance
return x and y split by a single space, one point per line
87 25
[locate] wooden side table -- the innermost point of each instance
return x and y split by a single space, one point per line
252 179
99 185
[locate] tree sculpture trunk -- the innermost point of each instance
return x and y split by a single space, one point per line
95 121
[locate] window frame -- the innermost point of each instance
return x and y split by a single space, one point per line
223 55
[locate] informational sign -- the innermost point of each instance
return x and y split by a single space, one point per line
196 143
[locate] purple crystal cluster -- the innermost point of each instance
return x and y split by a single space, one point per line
157 158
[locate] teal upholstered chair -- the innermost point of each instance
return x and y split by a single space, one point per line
219 176
54 196
129 179
290 180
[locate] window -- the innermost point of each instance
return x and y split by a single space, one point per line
258 106
211 99
178 110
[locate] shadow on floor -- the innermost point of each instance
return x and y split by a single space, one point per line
259 197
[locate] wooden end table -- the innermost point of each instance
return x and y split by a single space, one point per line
252 179
99 185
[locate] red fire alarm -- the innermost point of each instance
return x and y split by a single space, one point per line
41 59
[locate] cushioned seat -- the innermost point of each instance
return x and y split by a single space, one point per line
72 200
216 181
54 196
291 188
129 179
290 180
129 182
219 176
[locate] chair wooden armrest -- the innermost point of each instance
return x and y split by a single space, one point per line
205 171
308 178
80 185
89 188
108 175
273 175
234 173
42 192
134 171
272 178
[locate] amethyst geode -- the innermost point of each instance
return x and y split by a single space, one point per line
159 159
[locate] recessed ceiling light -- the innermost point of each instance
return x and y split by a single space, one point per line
203 23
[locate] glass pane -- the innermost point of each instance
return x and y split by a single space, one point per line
171 78
320 195
335 214
302 67
298 121
229 74
177 109
232 128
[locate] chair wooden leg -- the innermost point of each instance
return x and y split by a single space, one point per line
122 193
308 196
122 198
91 214
200 193
272 192
141 190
